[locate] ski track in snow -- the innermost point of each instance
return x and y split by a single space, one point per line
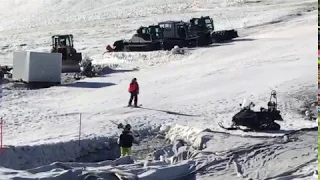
196 90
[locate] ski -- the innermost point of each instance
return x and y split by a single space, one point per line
228 128
140 105
233 128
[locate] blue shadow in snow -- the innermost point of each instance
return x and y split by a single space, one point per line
88 84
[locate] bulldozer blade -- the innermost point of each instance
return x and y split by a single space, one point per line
77 57
70 66
225 35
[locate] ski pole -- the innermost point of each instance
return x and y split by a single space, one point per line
79 128
1 140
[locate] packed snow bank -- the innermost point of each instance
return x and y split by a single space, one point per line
107 170
255 157
251 157
87 150
24 157
139 59
186 133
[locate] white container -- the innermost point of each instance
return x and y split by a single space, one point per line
37 67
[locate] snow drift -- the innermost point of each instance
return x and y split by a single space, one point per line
219 160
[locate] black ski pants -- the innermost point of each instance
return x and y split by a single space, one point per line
133 96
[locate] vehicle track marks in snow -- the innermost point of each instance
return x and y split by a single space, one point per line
297 150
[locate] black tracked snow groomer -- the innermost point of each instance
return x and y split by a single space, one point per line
204 27
163 36
262 120
167 34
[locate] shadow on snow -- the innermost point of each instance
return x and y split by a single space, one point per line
88 84
170 112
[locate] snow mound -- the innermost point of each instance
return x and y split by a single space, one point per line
187 133
32 156
226 156
107 170
140 59
25 157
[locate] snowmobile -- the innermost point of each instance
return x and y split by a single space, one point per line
262 120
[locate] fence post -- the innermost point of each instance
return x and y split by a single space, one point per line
79 128
1 137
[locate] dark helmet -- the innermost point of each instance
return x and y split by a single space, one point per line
272 105
134 79
128 126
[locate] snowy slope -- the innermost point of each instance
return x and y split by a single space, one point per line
98 23
209 84
198 89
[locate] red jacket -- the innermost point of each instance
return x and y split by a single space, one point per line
133 87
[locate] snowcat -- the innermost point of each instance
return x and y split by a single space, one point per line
262 120
163 36
146 39
204 27
70 57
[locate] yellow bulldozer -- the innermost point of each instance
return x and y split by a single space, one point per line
70 57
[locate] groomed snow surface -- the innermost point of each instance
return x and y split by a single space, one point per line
183 96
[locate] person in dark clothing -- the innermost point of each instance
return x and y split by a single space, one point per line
126 141
134 91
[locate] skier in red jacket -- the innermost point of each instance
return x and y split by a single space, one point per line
134 91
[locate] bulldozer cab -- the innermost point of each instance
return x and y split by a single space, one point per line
204 22
142 30
62 41
156 32
151 33
63 44
176 30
